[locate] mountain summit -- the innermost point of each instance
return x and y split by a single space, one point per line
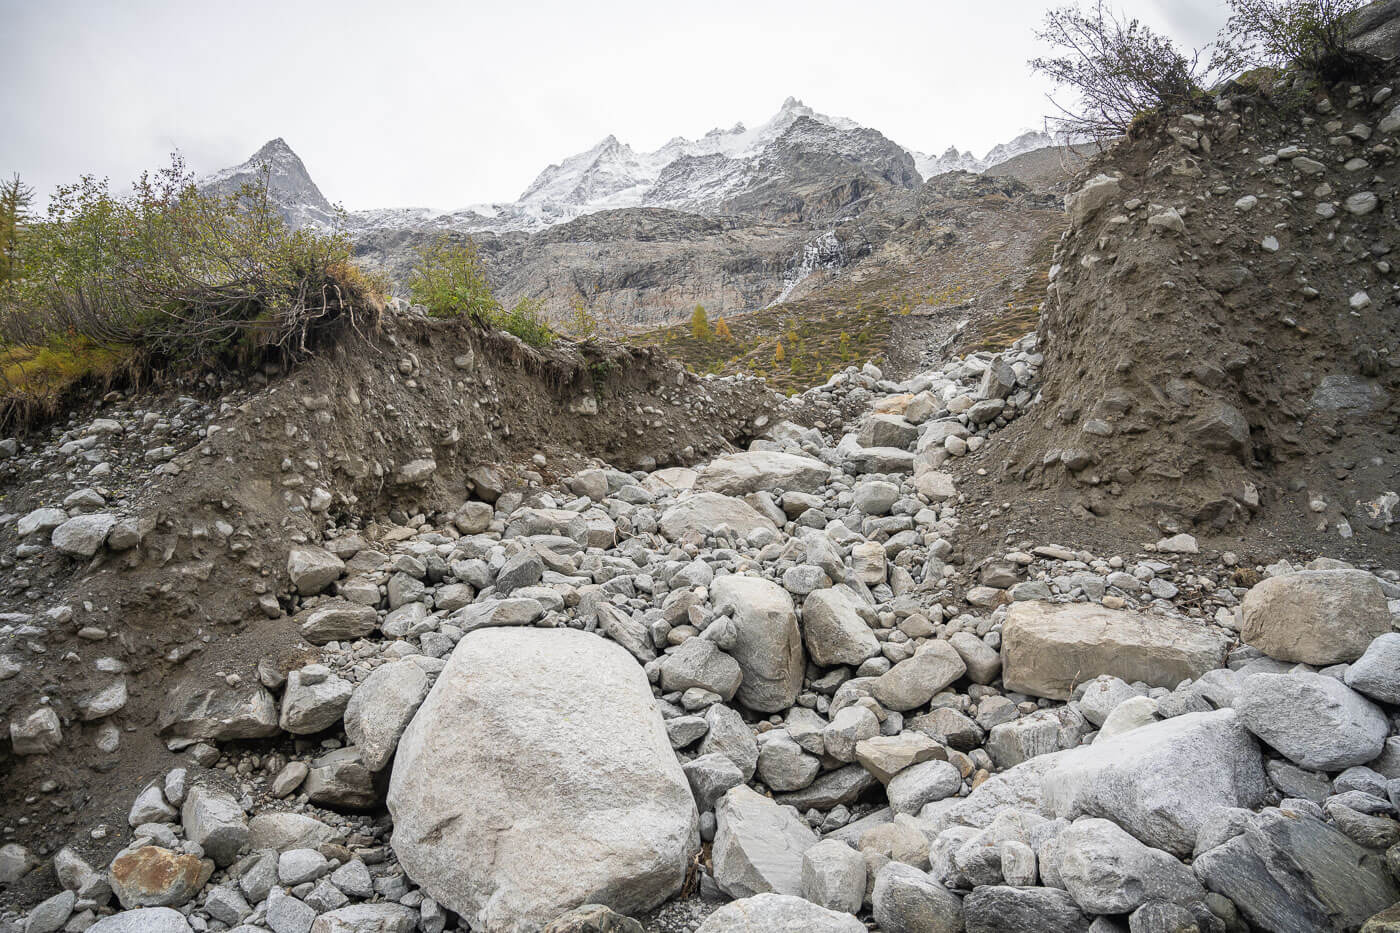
297 197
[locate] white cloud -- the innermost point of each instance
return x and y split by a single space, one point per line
447 103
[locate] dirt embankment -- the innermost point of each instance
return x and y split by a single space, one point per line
1222 331
412 420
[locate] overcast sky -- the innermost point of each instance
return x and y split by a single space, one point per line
447 103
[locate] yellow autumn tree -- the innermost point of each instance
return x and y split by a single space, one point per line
722 330
700 324
778 354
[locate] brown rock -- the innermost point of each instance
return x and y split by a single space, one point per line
154 877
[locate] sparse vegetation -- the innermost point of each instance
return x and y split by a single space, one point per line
449 279
1310 34
165 278
1120 70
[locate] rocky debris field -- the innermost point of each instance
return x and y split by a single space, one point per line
1223 317
767 690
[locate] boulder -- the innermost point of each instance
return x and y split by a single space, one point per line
758 845
549 743
155 877
280 830
1048 648
215 820
703 512
906 900
923 783
696 662
381 708
1293 873
1314 720
1088 200
833 875
1317 617
769 644
913 682
83 536
313 702
593 918
144 920
339 780
336 620
1377 672
778 913
1006 909
312 569
368 918
886 755
754 470
216 712
1162 781
1107 871
834 628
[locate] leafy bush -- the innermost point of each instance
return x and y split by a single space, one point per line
449 279
1119 69
1311 34
178 275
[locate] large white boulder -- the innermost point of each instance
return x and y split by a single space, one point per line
537 776
1047 648
755 470
1160 782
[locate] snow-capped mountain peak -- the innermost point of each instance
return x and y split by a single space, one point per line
289 183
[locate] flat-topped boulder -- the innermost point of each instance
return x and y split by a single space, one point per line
755 470
536 777
703 512
1048 648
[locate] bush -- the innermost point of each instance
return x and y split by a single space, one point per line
178 275
1310 34
1120 69
449 279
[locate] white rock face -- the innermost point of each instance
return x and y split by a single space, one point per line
1160 782
537 776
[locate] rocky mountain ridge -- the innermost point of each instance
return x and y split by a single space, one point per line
702 175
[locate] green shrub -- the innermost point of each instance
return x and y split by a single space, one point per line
179 275
449 279
168 278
